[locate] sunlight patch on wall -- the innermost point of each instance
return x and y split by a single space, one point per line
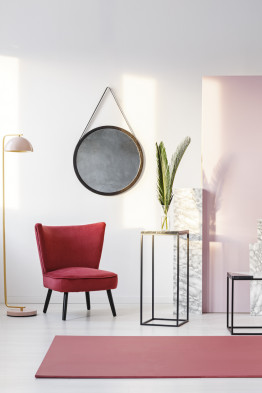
211 128
9 112
139 103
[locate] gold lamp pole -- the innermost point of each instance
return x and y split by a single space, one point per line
17 144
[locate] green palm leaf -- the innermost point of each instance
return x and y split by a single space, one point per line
177 157
166 173
160 185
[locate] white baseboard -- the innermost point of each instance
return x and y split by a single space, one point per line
76 298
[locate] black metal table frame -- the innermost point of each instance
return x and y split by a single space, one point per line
177 320
238 277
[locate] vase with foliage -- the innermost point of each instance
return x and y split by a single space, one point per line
166 175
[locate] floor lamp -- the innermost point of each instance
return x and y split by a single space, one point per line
17 144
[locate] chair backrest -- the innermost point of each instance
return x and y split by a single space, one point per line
70 246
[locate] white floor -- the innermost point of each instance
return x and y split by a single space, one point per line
24 342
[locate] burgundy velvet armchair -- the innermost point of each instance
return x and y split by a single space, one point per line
70 257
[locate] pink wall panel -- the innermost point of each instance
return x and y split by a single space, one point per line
232 182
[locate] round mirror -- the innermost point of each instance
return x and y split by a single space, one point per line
108 160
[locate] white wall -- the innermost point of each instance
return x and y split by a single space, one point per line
56 59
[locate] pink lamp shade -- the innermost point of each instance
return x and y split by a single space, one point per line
18 144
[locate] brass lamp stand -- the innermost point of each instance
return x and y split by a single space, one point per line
17 144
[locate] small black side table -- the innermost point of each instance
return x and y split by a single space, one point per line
177 320
239 277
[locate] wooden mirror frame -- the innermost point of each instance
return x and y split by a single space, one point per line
139 149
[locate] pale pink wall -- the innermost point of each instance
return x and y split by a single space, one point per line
232 182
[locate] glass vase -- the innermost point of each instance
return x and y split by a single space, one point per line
165 219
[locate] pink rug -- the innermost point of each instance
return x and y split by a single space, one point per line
153 357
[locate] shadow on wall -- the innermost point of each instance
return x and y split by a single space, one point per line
212 202
231 124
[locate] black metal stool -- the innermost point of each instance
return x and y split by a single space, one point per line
239 277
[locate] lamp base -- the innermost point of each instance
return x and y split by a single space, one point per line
19 313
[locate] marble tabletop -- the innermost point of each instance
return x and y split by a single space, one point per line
245 275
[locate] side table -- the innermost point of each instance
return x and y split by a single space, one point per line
178 321
239 277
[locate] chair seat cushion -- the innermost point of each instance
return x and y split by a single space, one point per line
79 279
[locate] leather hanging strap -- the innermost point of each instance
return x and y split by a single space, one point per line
99 103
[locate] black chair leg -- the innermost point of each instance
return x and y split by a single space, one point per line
110 298
88 300
47 300
65 306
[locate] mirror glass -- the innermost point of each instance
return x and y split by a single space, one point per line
108 160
